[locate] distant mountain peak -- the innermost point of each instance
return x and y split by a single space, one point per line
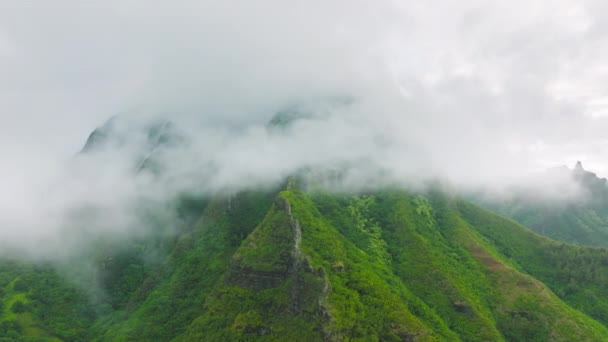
320 108
578 166
118 131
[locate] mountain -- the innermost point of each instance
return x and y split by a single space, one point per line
582 219
302 263
119 131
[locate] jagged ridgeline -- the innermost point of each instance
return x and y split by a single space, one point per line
297 264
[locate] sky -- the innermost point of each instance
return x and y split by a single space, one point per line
469 91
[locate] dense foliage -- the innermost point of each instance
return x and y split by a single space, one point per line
295 265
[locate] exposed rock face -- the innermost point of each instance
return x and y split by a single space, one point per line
323 311
589 181
299 263
271 255
255 269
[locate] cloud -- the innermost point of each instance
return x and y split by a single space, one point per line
475 93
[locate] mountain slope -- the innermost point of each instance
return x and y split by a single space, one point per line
581 220
280 265
387 266
292 263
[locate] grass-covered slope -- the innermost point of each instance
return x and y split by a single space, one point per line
314 266
581 219
579 275
580 223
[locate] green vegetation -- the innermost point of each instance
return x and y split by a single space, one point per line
581 220
39 305
295 265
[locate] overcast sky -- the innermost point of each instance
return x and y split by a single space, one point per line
534 67
469 90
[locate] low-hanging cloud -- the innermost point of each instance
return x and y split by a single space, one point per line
475 93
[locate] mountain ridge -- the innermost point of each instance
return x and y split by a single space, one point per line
581 218
306 263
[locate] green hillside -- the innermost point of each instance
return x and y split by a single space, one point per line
312 266
580 220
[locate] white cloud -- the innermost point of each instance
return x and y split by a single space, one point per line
471 91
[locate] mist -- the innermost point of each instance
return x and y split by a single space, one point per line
395 93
